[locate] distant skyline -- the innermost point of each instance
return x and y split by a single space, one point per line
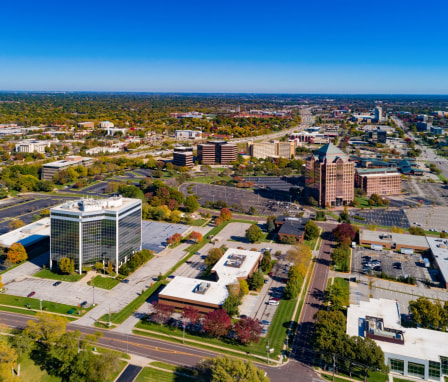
321 47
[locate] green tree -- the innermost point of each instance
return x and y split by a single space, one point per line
419 231
270 225
226 369
266 262
426 313
191 204
254 233
256 281
311 230
213 256
231 304
48 328
340 255
320 216
99 266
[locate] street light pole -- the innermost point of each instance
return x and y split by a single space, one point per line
41 305
93 289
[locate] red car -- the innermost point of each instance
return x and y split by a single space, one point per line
32 294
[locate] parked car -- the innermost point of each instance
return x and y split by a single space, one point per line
266 281
125 281
243 316
264 331
57 283
378 268
31 294
265 322
274 302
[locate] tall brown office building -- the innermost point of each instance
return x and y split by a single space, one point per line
183 156
330 176
217 152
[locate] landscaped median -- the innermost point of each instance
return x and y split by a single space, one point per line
31 306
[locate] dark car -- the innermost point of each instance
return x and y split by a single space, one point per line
31 294
57 283
378 269
125 281
243 316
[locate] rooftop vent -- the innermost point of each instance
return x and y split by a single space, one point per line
202 288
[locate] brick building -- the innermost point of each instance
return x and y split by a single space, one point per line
217 152
183 156
330 176
380 181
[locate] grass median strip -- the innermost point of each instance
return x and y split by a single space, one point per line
149 374
47 274
104 282
174 368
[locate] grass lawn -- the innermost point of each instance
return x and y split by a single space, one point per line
119 353
121 365
199 222
362 202
104 325
47 274
168 366
148 374
343 283
104 282
17 310
34 303
30 372
209 179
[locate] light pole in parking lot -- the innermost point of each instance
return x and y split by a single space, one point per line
93 291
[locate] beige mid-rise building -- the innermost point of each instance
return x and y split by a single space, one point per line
275 149
378 181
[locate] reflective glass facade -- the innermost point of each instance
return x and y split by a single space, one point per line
101 236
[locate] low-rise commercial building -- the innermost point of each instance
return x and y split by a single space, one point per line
49 170
183 156
439 250
414 352
29 235
188 134
103 150
32 146
395 241
207 296
380 181
96 230
88 125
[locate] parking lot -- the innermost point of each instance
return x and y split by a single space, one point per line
391 263
282 183
155 234
426 193
265 201
382 216
429 217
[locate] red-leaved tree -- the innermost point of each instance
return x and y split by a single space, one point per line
248 330
162 312
190 314
217 323
174 239
226 214
344 233
196 236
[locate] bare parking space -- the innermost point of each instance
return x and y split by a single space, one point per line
373 263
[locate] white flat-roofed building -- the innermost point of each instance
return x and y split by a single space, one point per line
103 150
31 146
106 125
439 249
414 352
207 296
96 230
27 235
49 170
188 134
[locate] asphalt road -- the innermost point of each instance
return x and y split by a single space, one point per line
129 374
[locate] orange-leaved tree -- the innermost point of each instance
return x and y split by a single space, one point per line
16 253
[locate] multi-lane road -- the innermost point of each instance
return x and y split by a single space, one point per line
299 368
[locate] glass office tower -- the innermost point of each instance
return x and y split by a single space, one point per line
96 230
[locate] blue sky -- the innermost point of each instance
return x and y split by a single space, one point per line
232 46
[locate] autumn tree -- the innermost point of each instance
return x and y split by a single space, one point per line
162 312
190 314
196 236
213 256
225 214
16 253
301 253
1 284
8 358
16 224
174 239
344 234
48 328
248 330
67 265
244 287
217 323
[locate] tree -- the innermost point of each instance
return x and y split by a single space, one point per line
217 323
99 266
266 262
256 281
368 354
15 224
66 265
344 233
162 312
190 314
48 328
301 253
252 210
427 314
175 216
226 369
419 231
270 225
254 233
225 214
344 216
8 358
174 239
213 256
231 304
110 268
320 216
311 230
248 330
16 253
191 204
244 288
1 284
340 255
329 332
196 236
218 221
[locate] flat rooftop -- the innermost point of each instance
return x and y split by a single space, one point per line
113 204
399 238
71 160
235 264
439 249
184 288
27 235
418 343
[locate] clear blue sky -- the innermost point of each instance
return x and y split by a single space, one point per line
225 46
